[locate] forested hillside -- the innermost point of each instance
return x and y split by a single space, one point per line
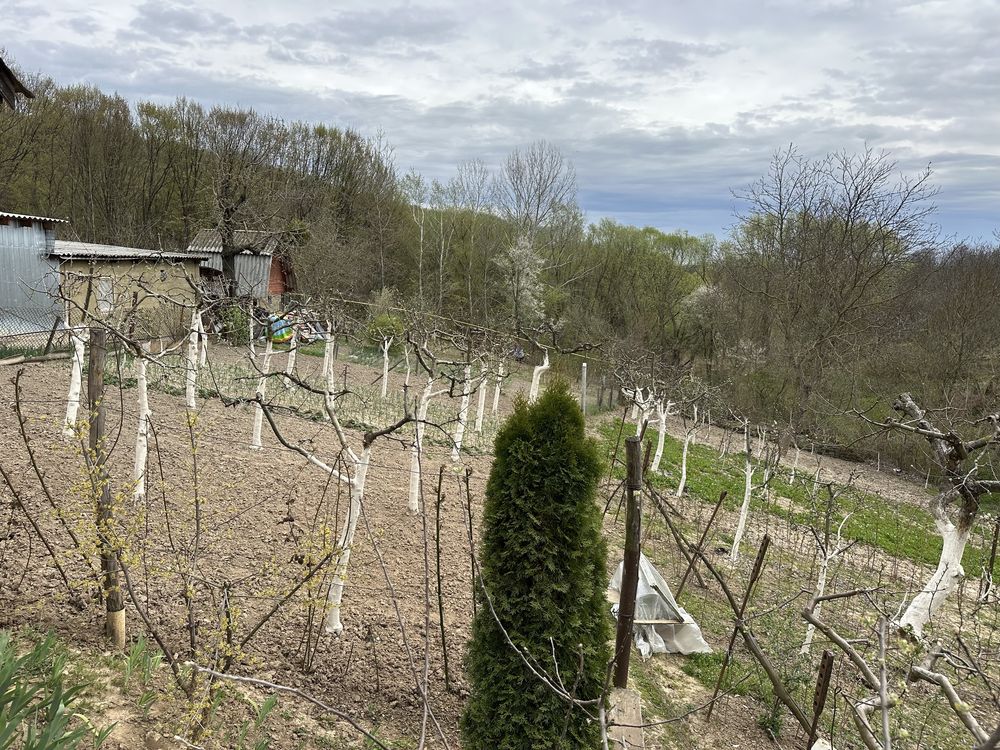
833 292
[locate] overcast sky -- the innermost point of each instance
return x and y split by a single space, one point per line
664 107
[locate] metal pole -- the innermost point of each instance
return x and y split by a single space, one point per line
630 572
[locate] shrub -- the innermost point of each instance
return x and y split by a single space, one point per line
543 564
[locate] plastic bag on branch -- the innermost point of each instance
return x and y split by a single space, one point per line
662 626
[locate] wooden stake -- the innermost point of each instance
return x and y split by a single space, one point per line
819 698
583 388
630 571
440 593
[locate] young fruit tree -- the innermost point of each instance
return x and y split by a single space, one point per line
956 506
539 650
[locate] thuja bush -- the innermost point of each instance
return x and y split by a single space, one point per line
543 580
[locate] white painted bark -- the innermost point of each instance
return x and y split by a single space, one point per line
824 567
734 554
536 377
75 382
481 405
688 437
496 390
662 412
795 465
293 350
386 345
203 339
945 578
191 364
463 415
258 412
142 430
334 625
327 348
413 502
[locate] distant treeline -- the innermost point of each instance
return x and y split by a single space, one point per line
832 293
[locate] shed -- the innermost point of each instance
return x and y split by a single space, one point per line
28 275
157 287
10 87
262 270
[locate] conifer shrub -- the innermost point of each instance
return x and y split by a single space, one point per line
543 566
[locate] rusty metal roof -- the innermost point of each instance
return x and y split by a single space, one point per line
29 217
67 250
248 241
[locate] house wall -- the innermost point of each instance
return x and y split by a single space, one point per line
159 291
277 283
27 277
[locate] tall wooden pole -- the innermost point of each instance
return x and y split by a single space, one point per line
114 602
630 571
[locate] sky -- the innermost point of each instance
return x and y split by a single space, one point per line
665 108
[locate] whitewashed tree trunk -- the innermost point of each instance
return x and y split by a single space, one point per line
795 465
734 554
293 350
77 336
258 412
142 430
945 578
327 348
386 345
536 377
481 405
496 390
334 626
191 364
463 415
688 437
660 440
824 567
413 502
203 340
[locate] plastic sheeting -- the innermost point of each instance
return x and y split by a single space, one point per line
654 602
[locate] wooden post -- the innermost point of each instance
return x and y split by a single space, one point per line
114 602
583 388
630 571
819 697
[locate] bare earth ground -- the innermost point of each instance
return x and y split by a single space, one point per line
258 508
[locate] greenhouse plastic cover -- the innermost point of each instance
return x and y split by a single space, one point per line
653 601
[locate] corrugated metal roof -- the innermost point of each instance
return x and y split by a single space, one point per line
9 215
250 241
70 249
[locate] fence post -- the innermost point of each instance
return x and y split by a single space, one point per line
583 388
114 624
630 566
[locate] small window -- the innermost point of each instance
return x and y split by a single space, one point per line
105 295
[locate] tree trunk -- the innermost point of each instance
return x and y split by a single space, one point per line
824 567
386 345
142 431
463 415
191 364
481 406
203 340
536 378
75 382
734 554
258 414
114 623
334 625
496 390
661 438
293 349
945 578
413 503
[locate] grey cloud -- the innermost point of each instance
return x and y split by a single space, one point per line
662 55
